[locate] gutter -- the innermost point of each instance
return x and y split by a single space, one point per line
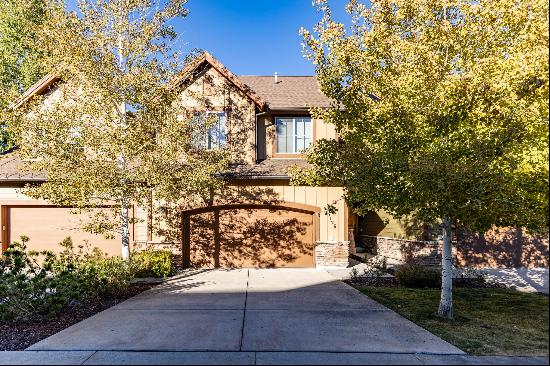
236 176
38 88
294 109
258 177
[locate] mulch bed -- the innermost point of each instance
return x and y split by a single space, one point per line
18 336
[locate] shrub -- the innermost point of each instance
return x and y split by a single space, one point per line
353 273
33 291
415 275
29 291
153 263
96 275
376 266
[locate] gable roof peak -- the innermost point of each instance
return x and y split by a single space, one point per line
205 57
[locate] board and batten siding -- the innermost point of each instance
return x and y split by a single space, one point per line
324 130
141 229
331 227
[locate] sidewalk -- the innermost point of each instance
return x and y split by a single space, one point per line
252 358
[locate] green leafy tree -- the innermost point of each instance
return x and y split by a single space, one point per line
113 131
20 60
442 109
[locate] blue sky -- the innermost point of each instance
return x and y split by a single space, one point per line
251 37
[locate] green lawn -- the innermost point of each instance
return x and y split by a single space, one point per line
487 321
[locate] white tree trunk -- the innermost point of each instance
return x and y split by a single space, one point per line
124 228
121 159
446 303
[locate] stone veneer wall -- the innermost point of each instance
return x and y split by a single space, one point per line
332 254
399 251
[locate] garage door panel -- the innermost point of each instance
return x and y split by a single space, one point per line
202 237
255 237
265 238
46 227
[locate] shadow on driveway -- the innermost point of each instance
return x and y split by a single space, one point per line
249 310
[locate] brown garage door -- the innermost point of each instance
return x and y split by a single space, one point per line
47 226
249 236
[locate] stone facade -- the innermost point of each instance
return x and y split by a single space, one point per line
332 254
399 251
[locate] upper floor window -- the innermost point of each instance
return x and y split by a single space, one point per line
293 134
216 134
75 134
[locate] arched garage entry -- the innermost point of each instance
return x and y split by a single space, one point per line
250 235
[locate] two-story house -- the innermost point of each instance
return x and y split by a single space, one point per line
259 220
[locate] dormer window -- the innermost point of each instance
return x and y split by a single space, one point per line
293 134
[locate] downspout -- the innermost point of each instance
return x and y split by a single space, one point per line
256 134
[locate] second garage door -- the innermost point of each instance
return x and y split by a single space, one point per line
47 226
249 236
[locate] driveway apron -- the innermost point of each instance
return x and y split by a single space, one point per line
249 310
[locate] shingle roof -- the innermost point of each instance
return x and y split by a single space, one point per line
270 168
290 92
12 170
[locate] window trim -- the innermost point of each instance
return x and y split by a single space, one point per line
274 152
206 137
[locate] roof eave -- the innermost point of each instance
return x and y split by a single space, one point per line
22 180
38 88
256 177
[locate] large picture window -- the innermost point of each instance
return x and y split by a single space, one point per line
293 134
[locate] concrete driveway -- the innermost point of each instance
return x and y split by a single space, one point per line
249 310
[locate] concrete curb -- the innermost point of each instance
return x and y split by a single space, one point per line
253 358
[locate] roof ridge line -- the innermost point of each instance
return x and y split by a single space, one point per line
278 75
